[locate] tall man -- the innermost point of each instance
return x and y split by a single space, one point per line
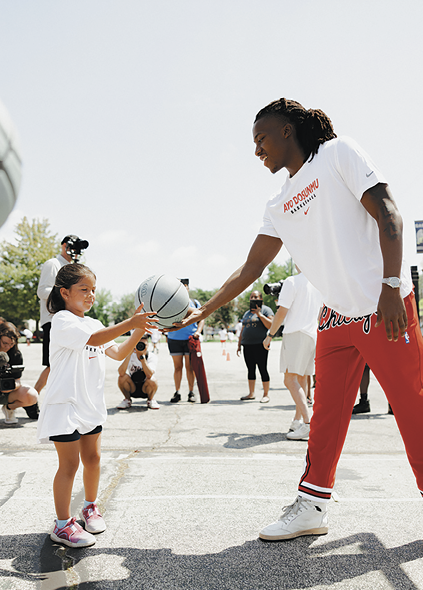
338 220
71 249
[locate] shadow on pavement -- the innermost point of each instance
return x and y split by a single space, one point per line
252 566
246 441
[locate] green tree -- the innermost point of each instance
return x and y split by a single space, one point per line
102 308
20 268
124 308
224 315
274 273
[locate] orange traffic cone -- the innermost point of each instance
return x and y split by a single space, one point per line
223 352
228 357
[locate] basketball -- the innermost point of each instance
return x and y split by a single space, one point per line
165 295
10 165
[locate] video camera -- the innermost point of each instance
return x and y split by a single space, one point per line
74 246
7 381
273 288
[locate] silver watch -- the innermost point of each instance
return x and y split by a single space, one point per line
393 282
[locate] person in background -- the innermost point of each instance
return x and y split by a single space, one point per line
137 376
71 250
255 323
177 342
19 396
298 309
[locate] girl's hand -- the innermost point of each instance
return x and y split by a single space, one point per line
144 321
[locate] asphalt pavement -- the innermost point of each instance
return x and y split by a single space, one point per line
185 490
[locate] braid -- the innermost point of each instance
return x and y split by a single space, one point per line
313 126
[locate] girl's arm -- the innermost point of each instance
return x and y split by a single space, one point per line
119 352
139 321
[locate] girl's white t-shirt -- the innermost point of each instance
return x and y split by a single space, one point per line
303 302
328 232
74 398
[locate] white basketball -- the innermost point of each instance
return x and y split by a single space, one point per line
10 164
165 295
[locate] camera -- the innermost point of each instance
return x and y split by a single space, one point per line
140 346
273 288
7 381
74 246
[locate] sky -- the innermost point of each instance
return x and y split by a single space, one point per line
135 118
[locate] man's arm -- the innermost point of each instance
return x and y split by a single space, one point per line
379 203
262 252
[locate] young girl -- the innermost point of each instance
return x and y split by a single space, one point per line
74 408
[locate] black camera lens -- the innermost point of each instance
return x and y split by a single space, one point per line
140 346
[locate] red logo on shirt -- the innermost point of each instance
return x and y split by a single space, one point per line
302 198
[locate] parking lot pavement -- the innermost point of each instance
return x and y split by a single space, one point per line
186 489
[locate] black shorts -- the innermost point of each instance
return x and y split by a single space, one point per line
46 344
138 379
74 436
177 347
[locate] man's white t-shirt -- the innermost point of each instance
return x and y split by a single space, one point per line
328 232
303 302
74 398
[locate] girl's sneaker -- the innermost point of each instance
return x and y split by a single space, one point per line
94 522
72 535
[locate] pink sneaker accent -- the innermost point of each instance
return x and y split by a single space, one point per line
72 535
94 522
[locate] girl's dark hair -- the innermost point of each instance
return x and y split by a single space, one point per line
313 127
8 329
68 275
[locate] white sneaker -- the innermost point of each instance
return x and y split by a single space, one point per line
302 433
124 404
10 417
295 424
265 399
152 404
303 517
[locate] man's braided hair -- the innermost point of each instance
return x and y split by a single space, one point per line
313 127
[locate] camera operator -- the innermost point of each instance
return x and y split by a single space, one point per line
12 393
136 376
72 248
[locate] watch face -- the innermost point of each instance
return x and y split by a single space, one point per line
393 282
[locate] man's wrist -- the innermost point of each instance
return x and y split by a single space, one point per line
271 335
393 282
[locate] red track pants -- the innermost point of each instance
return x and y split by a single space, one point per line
344 345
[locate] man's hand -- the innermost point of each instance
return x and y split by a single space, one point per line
391 311
193 315
266 342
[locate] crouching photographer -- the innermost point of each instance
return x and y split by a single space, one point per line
136 376
12 393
